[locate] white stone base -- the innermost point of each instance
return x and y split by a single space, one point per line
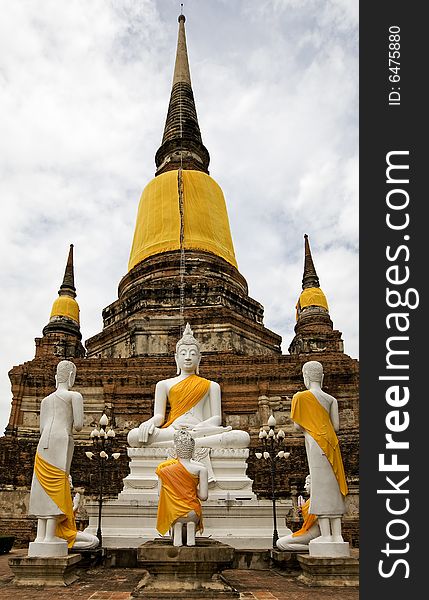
226 466
329 549
48 549
232 514
240 524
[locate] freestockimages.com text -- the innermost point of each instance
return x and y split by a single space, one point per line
401 299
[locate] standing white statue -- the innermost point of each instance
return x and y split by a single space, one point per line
299 540
194 404
316 414
50 496
182 483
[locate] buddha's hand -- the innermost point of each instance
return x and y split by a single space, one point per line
145 430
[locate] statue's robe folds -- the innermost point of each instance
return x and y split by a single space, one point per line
328 481
51 487
183 396
178 495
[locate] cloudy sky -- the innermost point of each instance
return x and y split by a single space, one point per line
84 90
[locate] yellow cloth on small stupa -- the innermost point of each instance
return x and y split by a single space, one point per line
309 519
65 306
307 411
311 297
178 495
55 483
184 395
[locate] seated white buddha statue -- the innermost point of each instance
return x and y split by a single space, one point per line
189 402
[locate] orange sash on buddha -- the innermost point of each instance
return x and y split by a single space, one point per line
178 495
184 395
307 411
55 483
309 519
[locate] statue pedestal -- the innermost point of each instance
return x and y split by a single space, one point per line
329 549
48 549
226 468
232 513
47 571
185 571
329 571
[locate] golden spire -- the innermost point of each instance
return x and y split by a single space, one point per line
181 67
182 146
311 294
314 331
65 306
182 208
67 287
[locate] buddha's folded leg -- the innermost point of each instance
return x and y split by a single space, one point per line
208 431
228 439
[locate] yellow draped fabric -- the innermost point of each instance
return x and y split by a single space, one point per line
205 218
55 483
65 306
309 519
178 495
307 411
312 297
184 395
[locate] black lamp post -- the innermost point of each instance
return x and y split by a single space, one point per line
102 440
272 450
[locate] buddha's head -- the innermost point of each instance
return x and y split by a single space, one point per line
184 444
307 484
66 373
188 353
312 372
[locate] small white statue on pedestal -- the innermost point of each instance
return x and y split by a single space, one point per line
299 540
316 414
182 483
50 496
195 404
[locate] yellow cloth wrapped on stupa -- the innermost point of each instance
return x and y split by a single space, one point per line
55 483
311 297
205 217
65 306
178 495
184 395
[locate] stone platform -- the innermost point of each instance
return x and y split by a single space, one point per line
232 513
185 571
329 571
285 561
44 571
115 582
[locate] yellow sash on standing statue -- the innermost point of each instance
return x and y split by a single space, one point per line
178 495
307 411
55 483
184 395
